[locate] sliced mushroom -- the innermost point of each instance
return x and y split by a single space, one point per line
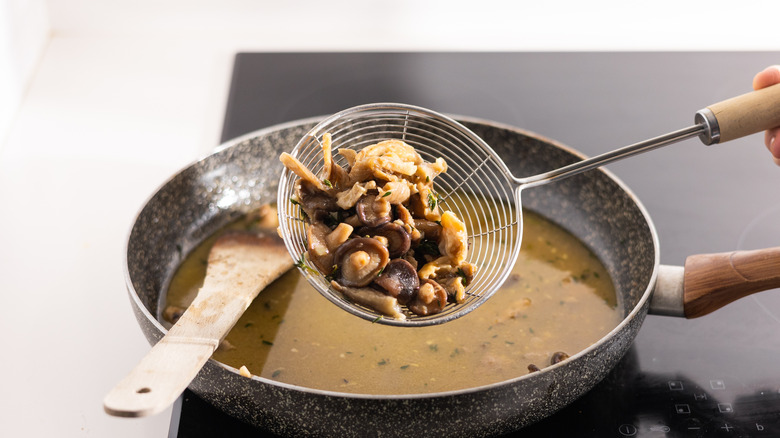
315 203
371 298
359 261
338 236
348 198
349 155
454 238
400 280
338 176
386 160
406 220
302 171
373 212
317 244
398 240
456 290
353 220
430 230
395 192
425 203
430 299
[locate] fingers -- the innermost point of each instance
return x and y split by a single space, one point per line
770 76
772 143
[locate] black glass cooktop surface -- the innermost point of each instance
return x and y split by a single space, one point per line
716 376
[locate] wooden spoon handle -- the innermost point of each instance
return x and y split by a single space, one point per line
240 265
714 280
159 378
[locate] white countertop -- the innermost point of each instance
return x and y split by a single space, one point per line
120 100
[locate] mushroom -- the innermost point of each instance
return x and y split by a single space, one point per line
373 212
398 240
359 261
372 298
400 280
338 236
317 244
558 356
430 299
314 202
454 238
430 230
173 313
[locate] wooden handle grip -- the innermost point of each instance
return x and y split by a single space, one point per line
748 114
713 280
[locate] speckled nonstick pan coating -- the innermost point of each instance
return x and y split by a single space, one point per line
243 174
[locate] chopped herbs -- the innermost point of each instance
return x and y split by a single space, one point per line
333 273
331 219
429 247
267 342
432 201
276 374
387 193
301 263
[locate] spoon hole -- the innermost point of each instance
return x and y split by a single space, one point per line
144 390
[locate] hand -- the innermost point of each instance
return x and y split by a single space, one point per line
770 76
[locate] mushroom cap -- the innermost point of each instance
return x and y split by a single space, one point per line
400 280
359 261
431 302
372 211
398 240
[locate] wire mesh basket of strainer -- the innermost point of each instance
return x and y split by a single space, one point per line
477 187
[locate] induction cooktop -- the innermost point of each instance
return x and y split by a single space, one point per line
716 376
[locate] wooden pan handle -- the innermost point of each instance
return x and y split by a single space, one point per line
747 114
713 280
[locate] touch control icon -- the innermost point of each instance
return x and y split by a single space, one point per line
682 409
717 384
627 430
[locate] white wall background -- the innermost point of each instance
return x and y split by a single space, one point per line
24 33
27 25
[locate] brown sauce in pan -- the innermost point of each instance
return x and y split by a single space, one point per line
559 298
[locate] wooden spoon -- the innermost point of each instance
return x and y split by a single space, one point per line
240 265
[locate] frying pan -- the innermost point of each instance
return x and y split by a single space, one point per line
595 206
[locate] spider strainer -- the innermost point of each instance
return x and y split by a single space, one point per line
478 187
